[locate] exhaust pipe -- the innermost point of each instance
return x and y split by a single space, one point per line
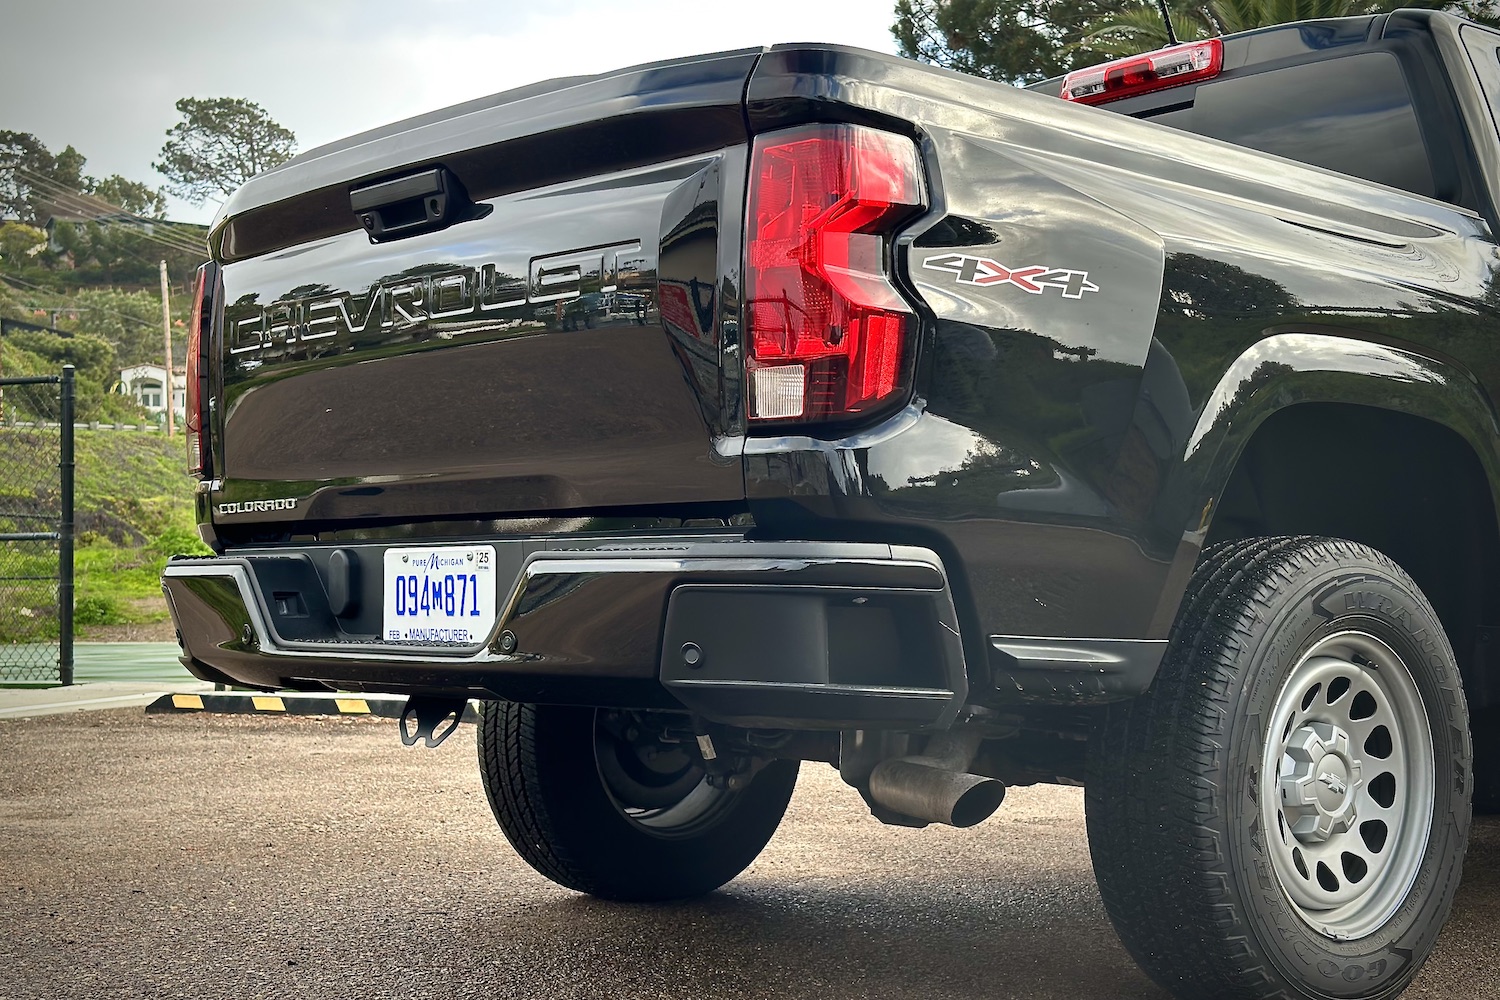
936 786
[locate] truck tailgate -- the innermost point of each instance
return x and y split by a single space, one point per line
556 348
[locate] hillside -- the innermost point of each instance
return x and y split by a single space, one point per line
133 509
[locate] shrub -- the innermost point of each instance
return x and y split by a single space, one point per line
96 610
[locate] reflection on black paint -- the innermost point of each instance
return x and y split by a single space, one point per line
1199 287
956 231
1354 115
485 369
686 287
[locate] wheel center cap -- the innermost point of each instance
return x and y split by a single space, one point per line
1318 781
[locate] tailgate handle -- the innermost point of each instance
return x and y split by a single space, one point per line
416 203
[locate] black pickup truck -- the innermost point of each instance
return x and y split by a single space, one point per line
1137 432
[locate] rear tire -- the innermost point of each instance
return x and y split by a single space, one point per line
1285 812
648 832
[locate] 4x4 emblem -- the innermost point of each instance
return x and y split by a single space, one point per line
1034 278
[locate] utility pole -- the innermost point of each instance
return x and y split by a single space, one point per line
166 339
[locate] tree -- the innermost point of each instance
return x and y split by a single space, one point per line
1139 28
90 355
129 321
1017 41
33 353
1483 11
9 306
133 196
106 229
33 180
19 244
30 175
220 143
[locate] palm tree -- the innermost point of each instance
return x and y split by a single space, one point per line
1140 29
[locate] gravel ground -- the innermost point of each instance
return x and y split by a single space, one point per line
204 857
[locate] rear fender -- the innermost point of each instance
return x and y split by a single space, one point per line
1297 365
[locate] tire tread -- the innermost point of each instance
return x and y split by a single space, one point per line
522 817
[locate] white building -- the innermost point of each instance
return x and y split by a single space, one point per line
145 382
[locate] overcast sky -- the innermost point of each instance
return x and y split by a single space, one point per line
103 75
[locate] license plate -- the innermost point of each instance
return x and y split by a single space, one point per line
442 595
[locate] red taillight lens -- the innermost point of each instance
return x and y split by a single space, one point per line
1142 74
828 334
197 371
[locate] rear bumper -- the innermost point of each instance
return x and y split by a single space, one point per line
785 634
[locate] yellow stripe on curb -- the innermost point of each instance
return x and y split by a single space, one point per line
352 706
268 703
187 701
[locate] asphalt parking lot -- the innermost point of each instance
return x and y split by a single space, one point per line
211 856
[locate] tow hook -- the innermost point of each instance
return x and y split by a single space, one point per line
423 715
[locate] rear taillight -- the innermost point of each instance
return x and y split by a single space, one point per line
200 320
829 336
1170 67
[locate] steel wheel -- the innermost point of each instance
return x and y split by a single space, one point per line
1347 785
659 787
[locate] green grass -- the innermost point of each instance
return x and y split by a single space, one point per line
133 509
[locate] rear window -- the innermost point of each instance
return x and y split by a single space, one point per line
1353 114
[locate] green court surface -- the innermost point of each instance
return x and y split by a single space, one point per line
114 662
143 662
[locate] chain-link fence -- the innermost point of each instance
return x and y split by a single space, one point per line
36 529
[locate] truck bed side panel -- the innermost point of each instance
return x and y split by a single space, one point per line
1050 453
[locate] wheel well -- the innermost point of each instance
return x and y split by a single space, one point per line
1404 485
